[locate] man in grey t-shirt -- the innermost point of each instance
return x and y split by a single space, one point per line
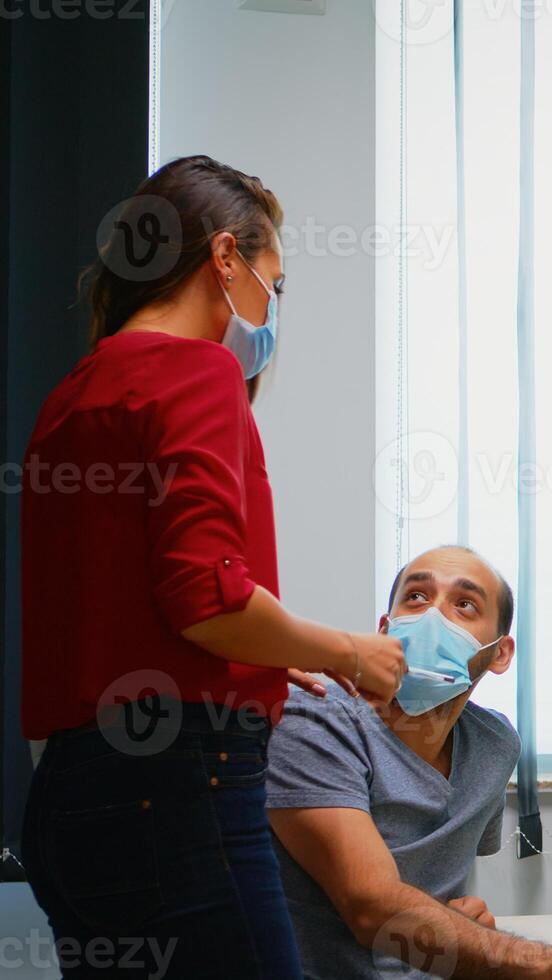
378 815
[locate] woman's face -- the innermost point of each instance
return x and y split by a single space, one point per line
247 293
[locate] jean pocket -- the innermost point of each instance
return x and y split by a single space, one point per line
235 769
104 862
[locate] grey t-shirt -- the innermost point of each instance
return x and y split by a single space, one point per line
337 752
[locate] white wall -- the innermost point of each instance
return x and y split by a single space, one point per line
290 98
514 887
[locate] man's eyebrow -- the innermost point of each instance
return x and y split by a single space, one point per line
460 583
417 577
469 586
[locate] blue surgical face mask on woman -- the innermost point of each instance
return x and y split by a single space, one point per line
433 642
253 346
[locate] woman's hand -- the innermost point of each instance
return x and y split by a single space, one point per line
475 909
313 685
381 665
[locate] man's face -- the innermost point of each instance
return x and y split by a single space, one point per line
466 591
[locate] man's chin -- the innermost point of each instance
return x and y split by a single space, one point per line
382 707
394 710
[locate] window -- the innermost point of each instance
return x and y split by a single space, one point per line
447 387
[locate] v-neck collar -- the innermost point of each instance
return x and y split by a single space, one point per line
448 783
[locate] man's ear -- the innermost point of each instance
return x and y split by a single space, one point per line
497 661
384 623
503 658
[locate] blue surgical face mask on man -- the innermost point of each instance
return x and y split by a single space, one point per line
253 346
435 643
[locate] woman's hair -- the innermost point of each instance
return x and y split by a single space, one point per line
208 197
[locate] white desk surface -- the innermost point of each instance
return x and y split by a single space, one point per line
530 926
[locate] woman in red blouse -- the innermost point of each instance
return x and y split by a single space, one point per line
156 653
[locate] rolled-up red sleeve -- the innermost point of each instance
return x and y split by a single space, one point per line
196 440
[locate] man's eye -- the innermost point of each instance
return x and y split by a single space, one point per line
415 595
468 603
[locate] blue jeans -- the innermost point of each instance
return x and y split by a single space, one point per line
160 864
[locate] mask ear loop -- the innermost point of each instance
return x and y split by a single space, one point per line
230 303
227 297
256 274
487 645
270 292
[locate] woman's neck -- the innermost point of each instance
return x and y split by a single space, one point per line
189 314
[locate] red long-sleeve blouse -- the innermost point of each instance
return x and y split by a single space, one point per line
146 508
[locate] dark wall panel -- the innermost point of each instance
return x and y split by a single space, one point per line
75 128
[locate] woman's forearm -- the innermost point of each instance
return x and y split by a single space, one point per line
266 634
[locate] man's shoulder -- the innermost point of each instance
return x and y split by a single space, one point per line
320 709
320 724
337 707
317 755
490 725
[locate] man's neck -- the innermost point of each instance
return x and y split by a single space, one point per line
428 735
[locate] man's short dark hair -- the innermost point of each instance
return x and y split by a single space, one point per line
505 595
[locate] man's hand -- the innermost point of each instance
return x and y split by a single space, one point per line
475 909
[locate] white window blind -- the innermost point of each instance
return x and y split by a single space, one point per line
417 294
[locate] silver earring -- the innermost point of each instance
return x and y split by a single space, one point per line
229 278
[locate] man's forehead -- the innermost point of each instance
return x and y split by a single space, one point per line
446 566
